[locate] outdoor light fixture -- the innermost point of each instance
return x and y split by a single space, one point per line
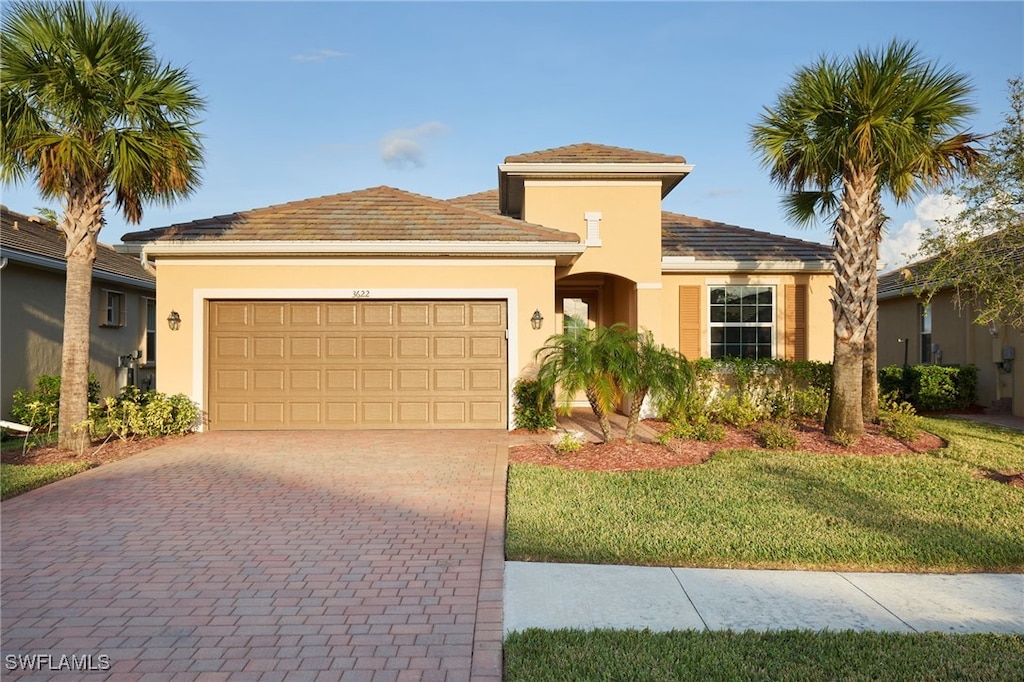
174 321
537 320
993 328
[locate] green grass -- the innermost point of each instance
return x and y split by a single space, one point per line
16 479
930 512
539 656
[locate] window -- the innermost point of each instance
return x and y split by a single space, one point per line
742 321
926 334
150 331
114 313
575 314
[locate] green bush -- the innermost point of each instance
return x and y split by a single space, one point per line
777 437
569 442
810 402
898 418
700 428
40 408
844 438
148 415
534 407
732 409
931 388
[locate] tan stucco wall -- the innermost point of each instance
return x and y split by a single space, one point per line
961 342
31 334
630 222
185 285
819 309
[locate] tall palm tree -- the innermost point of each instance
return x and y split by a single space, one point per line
839 135
90 114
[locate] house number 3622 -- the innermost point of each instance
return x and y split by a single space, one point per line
360 293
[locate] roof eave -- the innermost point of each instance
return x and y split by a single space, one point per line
59 265
369 248
693 264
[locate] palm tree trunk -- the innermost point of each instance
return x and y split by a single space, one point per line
82 221
869 366
855 247
602 417
635 406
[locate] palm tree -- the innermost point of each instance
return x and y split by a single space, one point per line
91 114
840 134
588 360
652 370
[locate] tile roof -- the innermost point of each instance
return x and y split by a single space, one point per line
28 235
484 202
587 152
375 214
683 235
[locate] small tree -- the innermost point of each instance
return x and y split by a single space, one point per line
588 360
653 370
980 251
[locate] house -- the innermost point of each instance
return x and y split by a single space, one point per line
915 332
380 308
32 267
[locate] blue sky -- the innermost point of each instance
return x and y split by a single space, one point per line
314 98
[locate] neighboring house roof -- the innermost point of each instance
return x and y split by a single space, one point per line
378 214
686 236
31 240
587 152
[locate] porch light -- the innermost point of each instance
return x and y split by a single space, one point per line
993 328
174 321
537 320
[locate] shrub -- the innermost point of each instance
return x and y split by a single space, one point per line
931 387
534 407
41 407
734 410
810 402
898 418
844 438
777 437
148 415
699 428
568 442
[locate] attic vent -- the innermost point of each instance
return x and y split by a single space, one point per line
593 219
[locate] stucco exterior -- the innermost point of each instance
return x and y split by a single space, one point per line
581 225
955 340
32 305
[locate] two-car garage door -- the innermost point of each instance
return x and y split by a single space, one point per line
357 364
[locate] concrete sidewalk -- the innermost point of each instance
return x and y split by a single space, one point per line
555 596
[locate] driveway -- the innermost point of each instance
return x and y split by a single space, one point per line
262 556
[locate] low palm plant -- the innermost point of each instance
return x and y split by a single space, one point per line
651 369
583 359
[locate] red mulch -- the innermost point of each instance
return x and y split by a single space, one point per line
98 453
622 456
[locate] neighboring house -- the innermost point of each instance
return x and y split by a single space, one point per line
123 334
383 308
913 332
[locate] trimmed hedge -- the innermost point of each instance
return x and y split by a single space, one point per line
534 408
931 388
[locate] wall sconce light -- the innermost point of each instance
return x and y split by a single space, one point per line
993 328
174 321
537 320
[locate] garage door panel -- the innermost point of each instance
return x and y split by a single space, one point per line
359 364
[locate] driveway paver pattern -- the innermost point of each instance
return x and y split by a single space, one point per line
365 555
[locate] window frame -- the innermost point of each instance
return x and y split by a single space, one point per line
149 338
114 311
925 323
771 325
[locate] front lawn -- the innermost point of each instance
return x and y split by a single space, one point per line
939 512
539 656
16 479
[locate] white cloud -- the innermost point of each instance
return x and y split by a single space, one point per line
403 148
900 246
319 56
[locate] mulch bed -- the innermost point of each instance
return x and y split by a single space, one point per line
620 455
100 452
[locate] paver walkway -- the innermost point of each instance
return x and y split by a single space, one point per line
370 556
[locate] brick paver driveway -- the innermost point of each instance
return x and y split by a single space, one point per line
264 556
